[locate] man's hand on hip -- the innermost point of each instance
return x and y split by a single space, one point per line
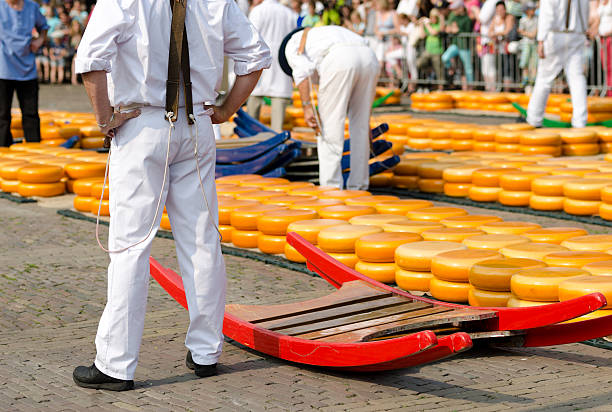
117 120
309 116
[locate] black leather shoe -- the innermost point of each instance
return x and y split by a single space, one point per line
91 377
201 370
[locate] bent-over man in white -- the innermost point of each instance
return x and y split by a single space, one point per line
126 44
561 42
348 70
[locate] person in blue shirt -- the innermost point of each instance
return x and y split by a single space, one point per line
18 19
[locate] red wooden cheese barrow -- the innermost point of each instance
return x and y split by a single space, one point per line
368 326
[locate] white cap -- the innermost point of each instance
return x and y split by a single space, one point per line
455 4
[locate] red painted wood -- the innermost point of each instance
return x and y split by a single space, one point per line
169 280
507 318
569 332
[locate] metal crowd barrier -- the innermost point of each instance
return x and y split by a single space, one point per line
503 60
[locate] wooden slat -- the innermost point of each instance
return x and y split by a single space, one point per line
332 313
411 324
351 318
355 326
350 292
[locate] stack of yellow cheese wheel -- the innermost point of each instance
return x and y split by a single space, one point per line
244 222
516 188
583 285
339 241
605 208
579 142
413 266
548 192
84 200
540 142
485 184
309 230
273 227
583 196
376 253
490 280
540 284
226 206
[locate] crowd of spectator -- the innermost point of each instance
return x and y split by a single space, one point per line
66 21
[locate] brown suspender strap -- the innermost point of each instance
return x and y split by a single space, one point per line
178 62
567 15
303 41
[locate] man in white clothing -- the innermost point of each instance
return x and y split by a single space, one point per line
163 154
273 21
348 70
562 27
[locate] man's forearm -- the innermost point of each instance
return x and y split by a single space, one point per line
304 90
241 90
97 90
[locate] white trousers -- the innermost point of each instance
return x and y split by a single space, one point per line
136 169
561 51
348 76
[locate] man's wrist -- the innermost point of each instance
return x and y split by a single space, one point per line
306 103
108 122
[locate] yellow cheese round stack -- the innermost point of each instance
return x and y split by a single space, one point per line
605 209
541 142
339 241
376 254
592 243
583 285
487 298
345 212
402 206
244 222
554 234
376 219
309 230
531 250
601 268
508 228
372 200
583 196
315 205
258 195
495 274
286 200
343 194
435 213
8 173
410 226
574 259
273 227
226 206
469 221
455 265
542 284
485 184
450 234
493 242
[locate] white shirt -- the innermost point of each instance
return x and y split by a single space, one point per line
408 7
129 39
319 41
605 18
552 17
485 16
273 21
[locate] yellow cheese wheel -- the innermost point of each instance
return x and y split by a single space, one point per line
495 274
606 194
10 186
581 207
410 226
245 218
472 221
408 167
380 247
585 189
507 147
82 187
263 182
441 144
419 144
484 194
515 302
457 189
574 259
592 243
165 222
435 213
531 250
580 149
449 291
343 194
80 170
370 200
510 198
412 280
450 234
462 145
508 228
382 272
96 190
101 205
405 182
275 222
550 185
234 190
605 211
489 177
573 136
454 266
293 255
484 134
342 238
516 126
542 284
554 234
309 229
271 244
460 174
286 200
487 298
431 185
434 170
226 233
227 206
10 170
539 168
540 139
245 238
310 191
41 189
381 179
518 181
290 186
376 219
347 259
83 203
38 173
92 142
572 171
315 205
417 255
508 136
538 202
484 146
257 195
593 315
402 206
345 212
601 268
493 242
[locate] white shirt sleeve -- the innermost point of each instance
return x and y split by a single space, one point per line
487 11
109 25
301 65
243 44
545 19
